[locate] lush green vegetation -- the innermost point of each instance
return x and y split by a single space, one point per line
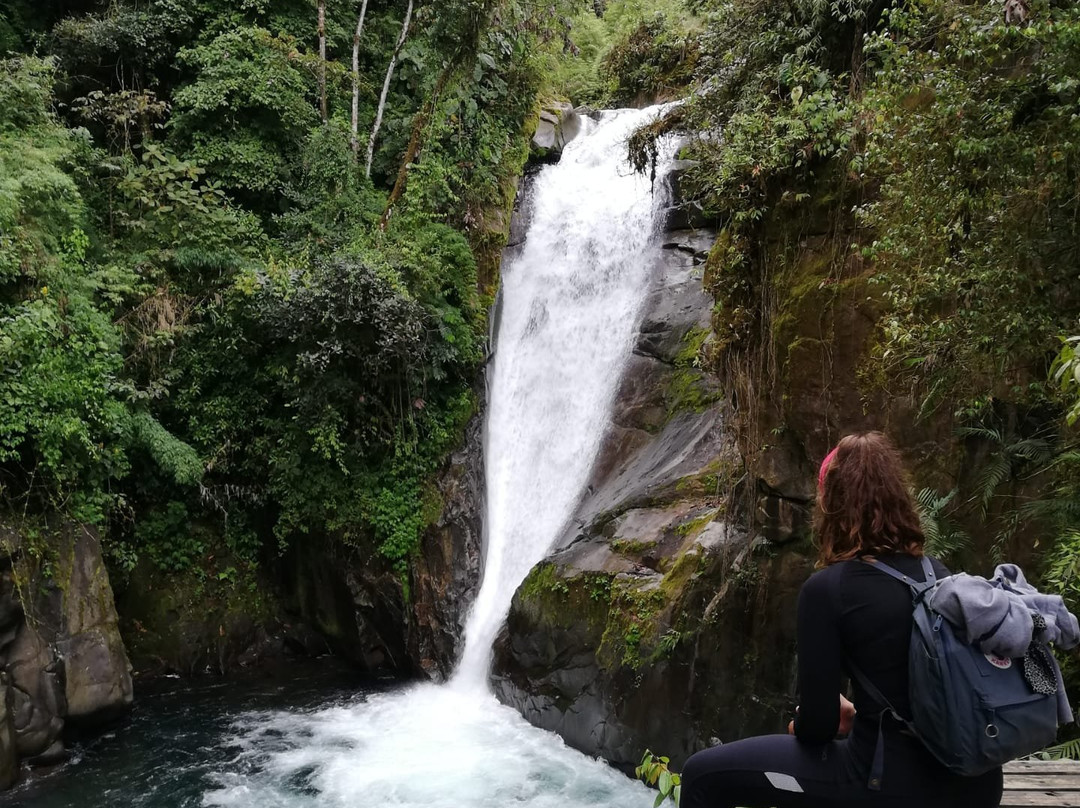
218 334
626 52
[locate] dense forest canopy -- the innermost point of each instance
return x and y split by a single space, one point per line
207 335
931 152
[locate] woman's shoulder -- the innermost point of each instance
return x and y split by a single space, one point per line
824 582
912 565
829 579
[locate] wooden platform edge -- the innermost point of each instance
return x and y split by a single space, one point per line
1049 783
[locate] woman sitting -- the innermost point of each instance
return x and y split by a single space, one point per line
847 611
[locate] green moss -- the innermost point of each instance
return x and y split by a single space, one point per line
632 627
556 600
633 548
542 580
691 347
689 391
696 525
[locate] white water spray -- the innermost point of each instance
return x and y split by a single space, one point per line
570 304
569 313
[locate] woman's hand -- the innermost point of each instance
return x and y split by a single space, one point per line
847 716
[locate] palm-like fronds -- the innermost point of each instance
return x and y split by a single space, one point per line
1007 458
943 538
997 471
1069 750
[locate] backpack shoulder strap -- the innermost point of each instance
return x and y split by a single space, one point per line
917 587
877 767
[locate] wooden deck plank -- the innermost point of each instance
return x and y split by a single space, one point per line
1038 780
1022 799
1044 766
1050 783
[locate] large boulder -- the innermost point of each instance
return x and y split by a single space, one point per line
97 674
559 123
63 661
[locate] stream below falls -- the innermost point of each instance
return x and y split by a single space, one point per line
570 304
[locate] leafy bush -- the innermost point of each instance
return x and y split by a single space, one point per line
654 771
247 112
651 61
974 143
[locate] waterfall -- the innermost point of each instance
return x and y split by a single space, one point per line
569 310
570 304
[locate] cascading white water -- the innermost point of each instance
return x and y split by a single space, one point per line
569 309
570 304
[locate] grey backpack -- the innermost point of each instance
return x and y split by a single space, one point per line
972 711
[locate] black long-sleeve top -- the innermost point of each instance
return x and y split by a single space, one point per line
850 611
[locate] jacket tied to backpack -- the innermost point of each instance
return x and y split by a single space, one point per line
999 616
976 709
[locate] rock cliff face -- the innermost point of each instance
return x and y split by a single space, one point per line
446 576
363 608
646 624
63 661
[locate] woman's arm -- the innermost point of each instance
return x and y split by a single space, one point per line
820 653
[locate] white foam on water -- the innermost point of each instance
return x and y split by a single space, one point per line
424 747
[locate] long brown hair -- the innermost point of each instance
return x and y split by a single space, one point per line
864 503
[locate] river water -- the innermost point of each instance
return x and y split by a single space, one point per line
570 305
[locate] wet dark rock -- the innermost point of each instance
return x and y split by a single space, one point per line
63 661
684 213
781 520
446 576
688 216
559 124
9 754
56 753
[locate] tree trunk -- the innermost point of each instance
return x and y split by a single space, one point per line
356 79
386 88
420 122
466 48
322 59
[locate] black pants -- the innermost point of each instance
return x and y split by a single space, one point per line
777 771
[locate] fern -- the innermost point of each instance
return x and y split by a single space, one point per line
1063 570
1008 457
997 471
943 538
1068 750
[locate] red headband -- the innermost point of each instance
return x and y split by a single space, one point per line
825 468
